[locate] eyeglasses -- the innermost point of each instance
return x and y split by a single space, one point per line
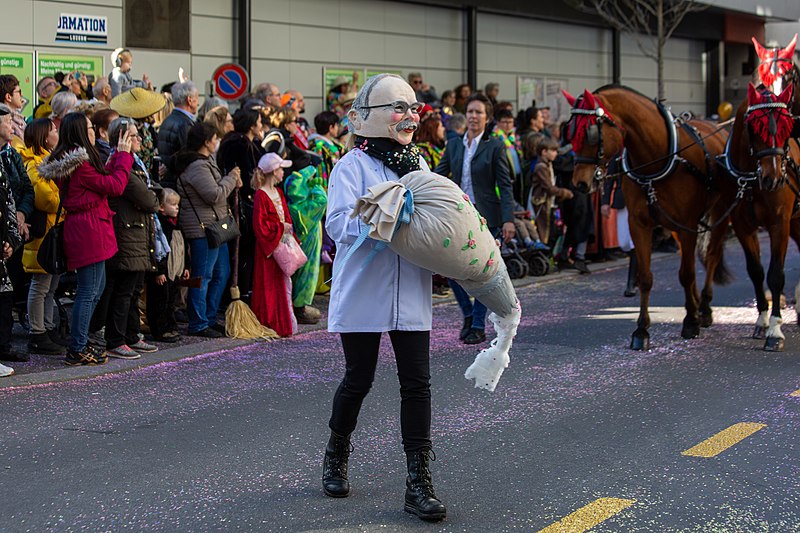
416 82
400 107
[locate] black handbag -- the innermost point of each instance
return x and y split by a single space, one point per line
51 255
38 224
221 230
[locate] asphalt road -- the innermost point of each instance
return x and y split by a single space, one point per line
232 440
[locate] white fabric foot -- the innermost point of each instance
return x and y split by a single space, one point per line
492 361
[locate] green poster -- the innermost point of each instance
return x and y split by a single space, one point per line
331 74
20 64
371 73
49 64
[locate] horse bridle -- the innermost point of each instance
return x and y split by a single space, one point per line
594 137
769 108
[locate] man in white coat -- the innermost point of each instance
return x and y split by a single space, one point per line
390 295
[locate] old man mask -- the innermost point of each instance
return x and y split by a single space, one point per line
386 107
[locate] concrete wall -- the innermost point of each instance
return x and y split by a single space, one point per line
684 73
292 40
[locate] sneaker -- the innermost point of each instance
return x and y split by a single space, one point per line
304 316
41 343
145 347
98 338
85 357
124 352
5 371
207 333
169 336
216 326
540 246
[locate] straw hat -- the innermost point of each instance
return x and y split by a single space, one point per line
138 103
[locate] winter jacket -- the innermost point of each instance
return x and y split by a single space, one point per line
17 179
236 150
46 199
9 230
88 227
134 226
204 194
174 264
171 139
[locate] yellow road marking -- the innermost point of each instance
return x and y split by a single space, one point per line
589 516
795 393
724 439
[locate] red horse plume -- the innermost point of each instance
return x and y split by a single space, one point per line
775 62
769 123
577 132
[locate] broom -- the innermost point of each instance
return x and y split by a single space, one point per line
240 321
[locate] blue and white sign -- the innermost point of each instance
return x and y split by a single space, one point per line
88 29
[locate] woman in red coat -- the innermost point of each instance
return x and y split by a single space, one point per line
272 289
89 238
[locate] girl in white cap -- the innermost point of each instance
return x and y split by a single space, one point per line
272 287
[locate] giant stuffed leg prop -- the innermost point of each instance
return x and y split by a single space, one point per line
426 219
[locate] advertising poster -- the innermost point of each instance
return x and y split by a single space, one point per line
529 91
20 64
49 64
559 107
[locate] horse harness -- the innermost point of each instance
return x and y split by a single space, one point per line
594 136
746 179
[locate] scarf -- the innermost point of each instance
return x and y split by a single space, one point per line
401 159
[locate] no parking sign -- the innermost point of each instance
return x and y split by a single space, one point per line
230 81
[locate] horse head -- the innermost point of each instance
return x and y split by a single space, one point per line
596 139
776 63
769 126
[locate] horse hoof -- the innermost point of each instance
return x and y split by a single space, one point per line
774 344
690 332
640 343
760 332
706 320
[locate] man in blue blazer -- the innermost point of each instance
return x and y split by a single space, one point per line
477 163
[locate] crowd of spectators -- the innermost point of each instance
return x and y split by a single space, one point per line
137 176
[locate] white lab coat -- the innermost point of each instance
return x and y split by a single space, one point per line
390 293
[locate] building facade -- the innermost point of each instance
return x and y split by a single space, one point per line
530 49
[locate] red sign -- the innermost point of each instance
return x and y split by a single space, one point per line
230 81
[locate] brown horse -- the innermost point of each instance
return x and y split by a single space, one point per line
759 152
671 180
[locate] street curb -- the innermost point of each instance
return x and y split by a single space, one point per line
117 366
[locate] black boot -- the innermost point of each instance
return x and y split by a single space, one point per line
633 272
334 467
421 500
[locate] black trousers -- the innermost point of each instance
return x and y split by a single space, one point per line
114 311
161 301
412 353
6 321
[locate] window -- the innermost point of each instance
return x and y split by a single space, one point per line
162 24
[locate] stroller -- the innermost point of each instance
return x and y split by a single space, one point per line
521 261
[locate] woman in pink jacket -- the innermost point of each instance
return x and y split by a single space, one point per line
89 239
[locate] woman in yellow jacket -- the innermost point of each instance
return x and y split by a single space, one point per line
41 136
